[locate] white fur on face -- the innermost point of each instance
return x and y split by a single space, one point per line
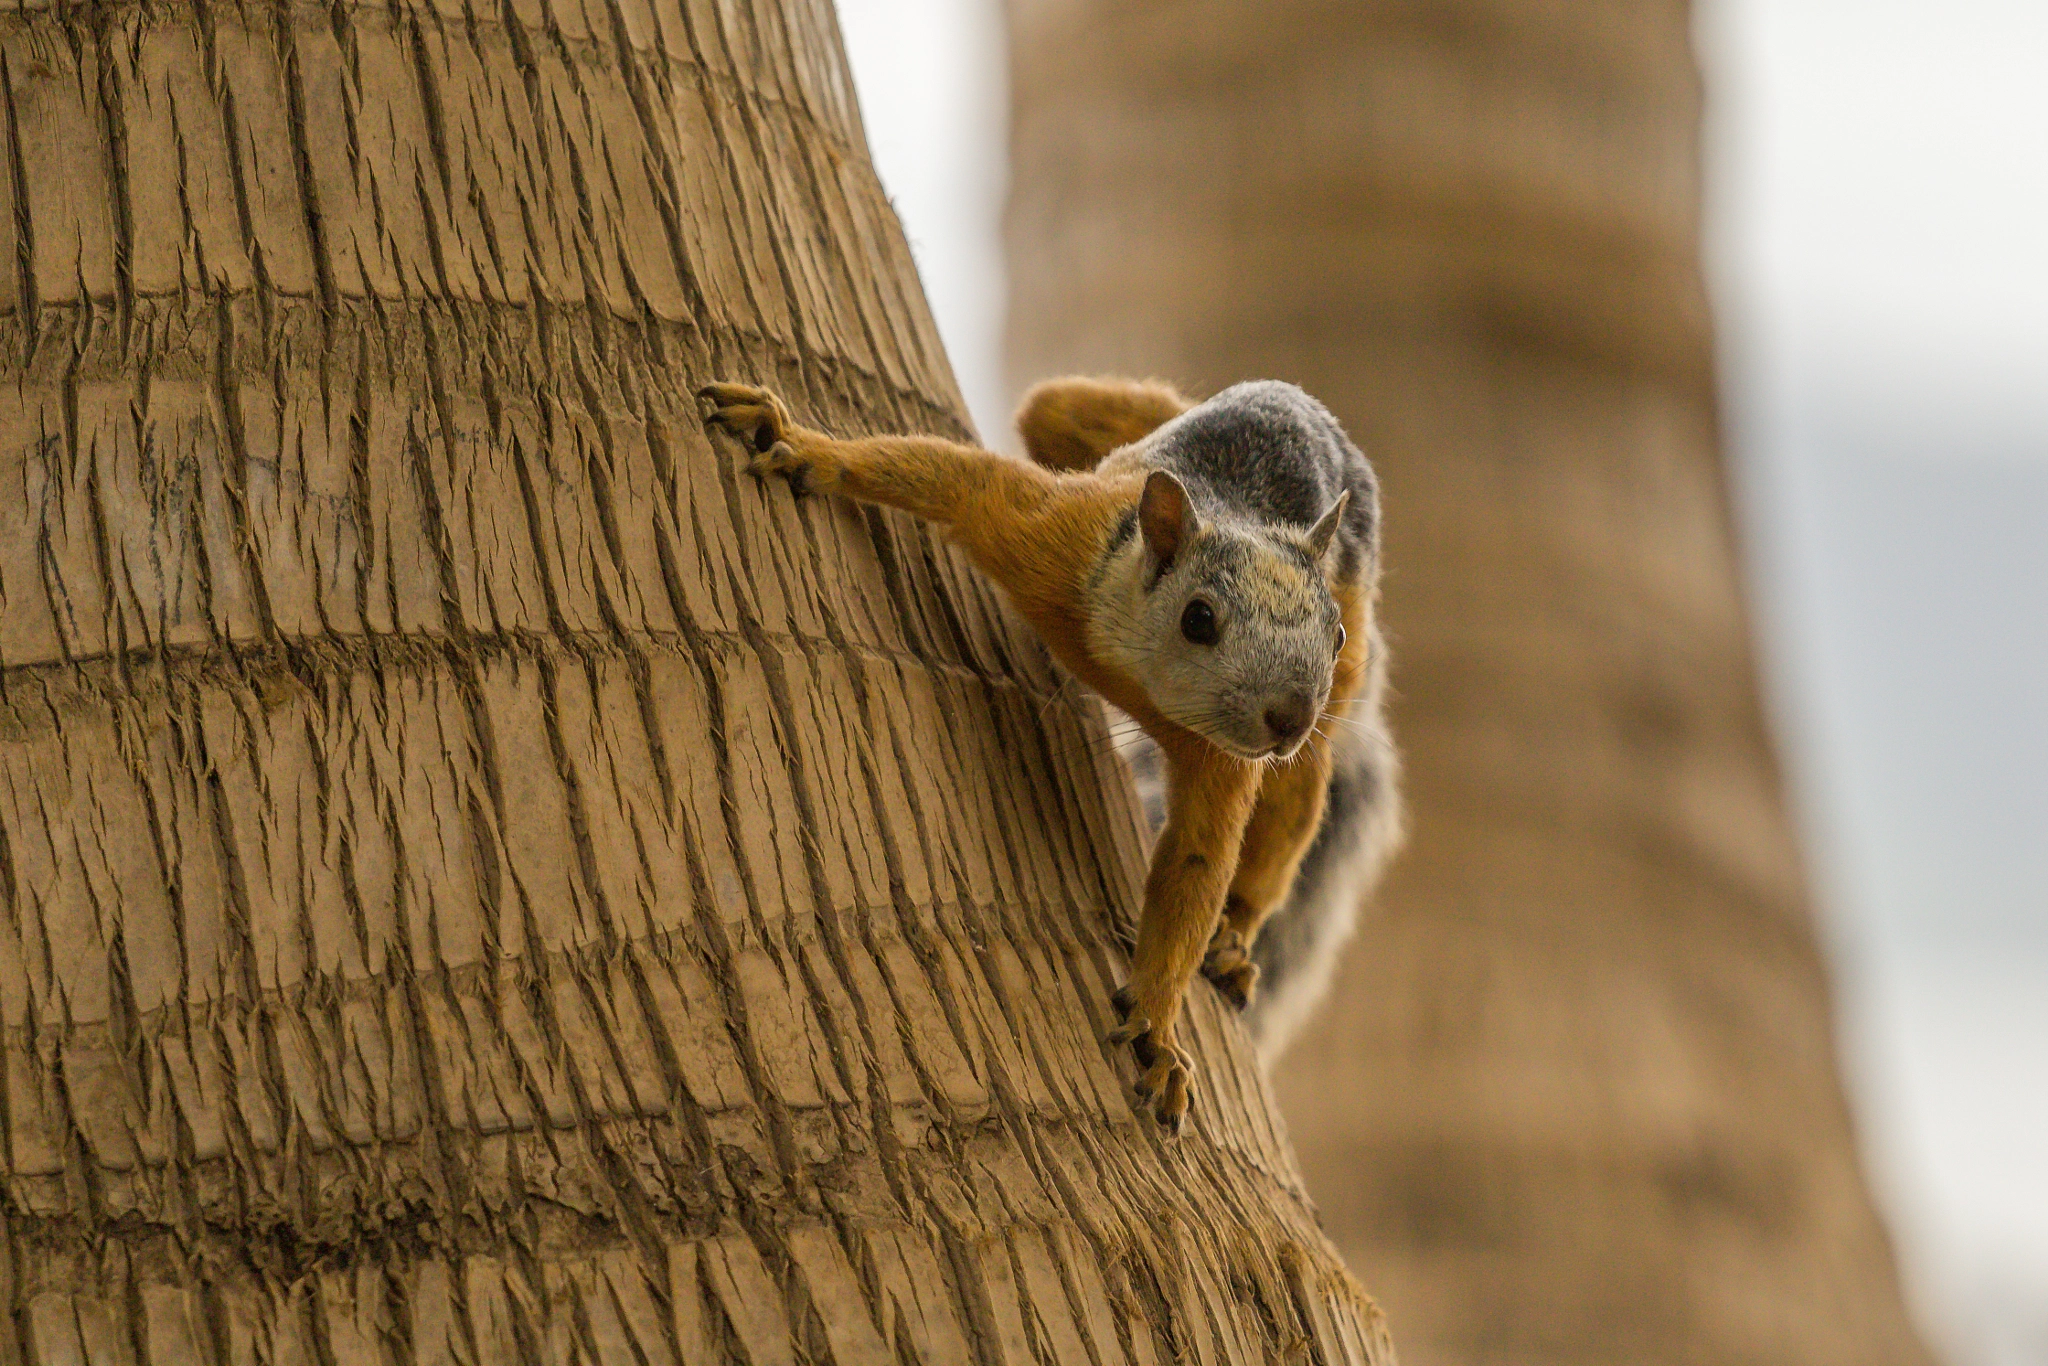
1276 638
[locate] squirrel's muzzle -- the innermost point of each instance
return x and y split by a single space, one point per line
1289 719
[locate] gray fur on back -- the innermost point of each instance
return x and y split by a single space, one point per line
1267 451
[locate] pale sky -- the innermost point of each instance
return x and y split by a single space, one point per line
1879 180
1878 174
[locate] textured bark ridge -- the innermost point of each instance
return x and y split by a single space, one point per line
484 881
1574 1099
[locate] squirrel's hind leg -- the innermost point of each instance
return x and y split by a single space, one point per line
1071 423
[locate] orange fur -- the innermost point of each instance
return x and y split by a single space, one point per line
1038 530
1208 806
1035 531
1071 423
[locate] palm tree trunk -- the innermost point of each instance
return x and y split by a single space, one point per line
1574 1098
484 881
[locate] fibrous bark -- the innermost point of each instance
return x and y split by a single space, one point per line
484 881
1574 1098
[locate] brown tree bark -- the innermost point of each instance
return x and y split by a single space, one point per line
484 881
1574 1098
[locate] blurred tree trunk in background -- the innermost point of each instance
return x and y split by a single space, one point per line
1574 1098
484 881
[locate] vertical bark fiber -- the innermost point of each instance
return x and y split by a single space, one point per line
483 881
1574 1098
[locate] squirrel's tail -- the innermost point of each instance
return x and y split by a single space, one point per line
1072 422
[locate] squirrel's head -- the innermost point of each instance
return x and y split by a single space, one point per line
1237 636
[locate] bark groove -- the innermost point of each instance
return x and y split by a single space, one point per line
483 880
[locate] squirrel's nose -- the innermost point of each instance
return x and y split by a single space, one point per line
1289 720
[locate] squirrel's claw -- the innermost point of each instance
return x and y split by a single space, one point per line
1164 1081
1128 1031
726 394
1164 1088
1131 1026
759 420
752 414
1172 1109
1229 967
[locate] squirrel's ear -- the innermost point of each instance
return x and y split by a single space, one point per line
1325 530
1167 517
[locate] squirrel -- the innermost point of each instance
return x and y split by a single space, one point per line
1212 571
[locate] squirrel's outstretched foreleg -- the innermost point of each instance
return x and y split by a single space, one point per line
941 481
1038 533
1031 530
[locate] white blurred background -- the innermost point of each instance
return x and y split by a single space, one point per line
1879 251
1878 246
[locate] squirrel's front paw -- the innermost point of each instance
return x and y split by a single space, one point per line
756 416
1229 966
1164 1083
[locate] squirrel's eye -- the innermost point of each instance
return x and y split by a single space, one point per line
1341 638
1198 622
